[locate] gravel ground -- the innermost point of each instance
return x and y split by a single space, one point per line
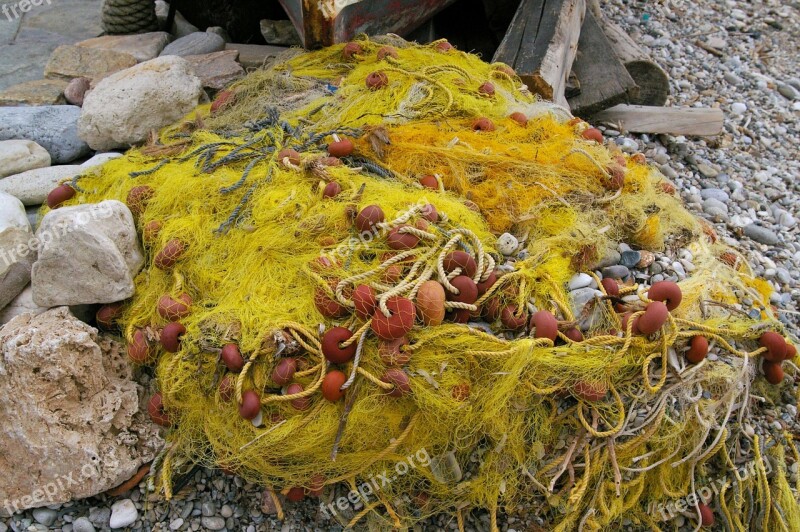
746 182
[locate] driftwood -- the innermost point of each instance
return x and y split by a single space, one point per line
653 82
603 79
690 121
541 44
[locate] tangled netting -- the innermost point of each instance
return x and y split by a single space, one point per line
324 300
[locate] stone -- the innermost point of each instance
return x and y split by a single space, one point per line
76 90
22 304
738 108
609 259
123 108
99 516
616 271
17 156
69 62
45 516
507 244
82 524
123 513
16 252
280 32
707 170
198 43
53 127
208 508
580 280
87 254
630 258
100 159
581 297
180 27
176 524
213 523
256 55
222 32
715 208
787 91
143 47
70 410
36 92
714 193
761 234
217 70
33 186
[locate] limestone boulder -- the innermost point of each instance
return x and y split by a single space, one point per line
17 248
87 254
124 107
75 424
17 156
142 46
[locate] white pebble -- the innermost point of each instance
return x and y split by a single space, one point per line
507 244
123 513
738 108
580 280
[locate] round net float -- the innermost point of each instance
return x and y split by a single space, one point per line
331 385
59 195
232 357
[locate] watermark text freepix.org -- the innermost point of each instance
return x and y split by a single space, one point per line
46 492
14 11
377 483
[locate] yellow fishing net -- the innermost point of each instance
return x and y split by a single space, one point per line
267 253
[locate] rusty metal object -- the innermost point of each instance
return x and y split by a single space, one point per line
320 24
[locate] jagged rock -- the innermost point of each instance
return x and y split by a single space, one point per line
37 92
33 186
74 423
17 156
69 62
53 127
87 254
16 252
216 70
143 47
124 107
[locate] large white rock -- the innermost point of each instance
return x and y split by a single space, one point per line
17 248
74 423
17 156
33 186
124 107
87 254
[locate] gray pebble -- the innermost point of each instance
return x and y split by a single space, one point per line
213 523
45 516
617 271
761 234
630 258
82 524
197 43
100 516
787 91
175 524
610 259
208 509
714 193
668 171
226 511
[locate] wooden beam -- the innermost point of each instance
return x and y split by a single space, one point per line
690 121
653 82
604 81
541 44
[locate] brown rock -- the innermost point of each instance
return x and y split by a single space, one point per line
68 62
216 70
143 47
75 424
39 92
76 90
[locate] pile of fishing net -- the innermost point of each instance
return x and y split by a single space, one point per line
324 300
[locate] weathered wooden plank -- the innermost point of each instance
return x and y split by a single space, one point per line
651 79
691 121
541 44
604 81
